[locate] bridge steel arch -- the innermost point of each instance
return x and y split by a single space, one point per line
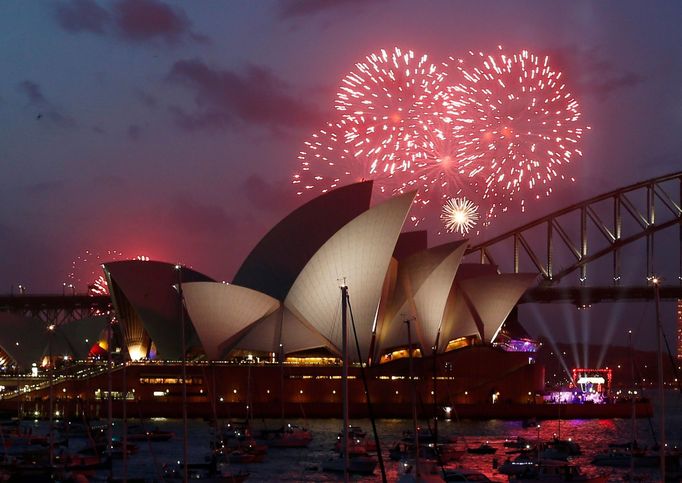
660 201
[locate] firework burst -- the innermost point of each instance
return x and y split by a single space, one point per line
459 215
381 103
492 128
521 126
86 269
325 162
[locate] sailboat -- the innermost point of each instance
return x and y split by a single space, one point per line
214 471
287 435
347 463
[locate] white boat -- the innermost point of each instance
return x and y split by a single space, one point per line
517 466
551 470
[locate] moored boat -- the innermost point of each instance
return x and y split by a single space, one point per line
138 433
288 436
360 464
551 470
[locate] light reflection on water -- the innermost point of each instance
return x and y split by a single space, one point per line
302 464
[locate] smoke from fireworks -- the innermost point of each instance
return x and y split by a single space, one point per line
459 215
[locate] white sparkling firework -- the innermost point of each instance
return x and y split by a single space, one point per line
459 215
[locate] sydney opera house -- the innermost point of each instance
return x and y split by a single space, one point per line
270 341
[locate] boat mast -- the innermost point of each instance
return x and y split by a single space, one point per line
634 410
51 329
125 419
281 382
110 422
661 394
415 428
344 376
181 309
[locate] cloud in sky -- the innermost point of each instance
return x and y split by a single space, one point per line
303 8
266 195
131 20
82 16
591 73
255 96
44 108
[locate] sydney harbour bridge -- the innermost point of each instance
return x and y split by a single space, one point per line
608 248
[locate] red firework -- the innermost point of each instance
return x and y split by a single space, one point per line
326 163
521 126
381 103
86 269
490 128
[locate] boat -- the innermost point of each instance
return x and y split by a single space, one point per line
519 443
517 466
429 473
358 464
565 445
551 470
288 436
623 458
347 463
116 449
203 472
138 433
444 452
464 474
484 448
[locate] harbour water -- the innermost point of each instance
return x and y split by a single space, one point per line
304 464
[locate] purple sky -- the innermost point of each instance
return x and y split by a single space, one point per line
171 129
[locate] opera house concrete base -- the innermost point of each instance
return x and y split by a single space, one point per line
466 382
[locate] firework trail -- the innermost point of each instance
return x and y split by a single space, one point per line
521 126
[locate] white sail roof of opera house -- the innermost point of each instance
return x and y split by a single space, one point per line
220 311
280 327
76 337
147 302
276 261
358 253
423 284
23 339
480 301
27 340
